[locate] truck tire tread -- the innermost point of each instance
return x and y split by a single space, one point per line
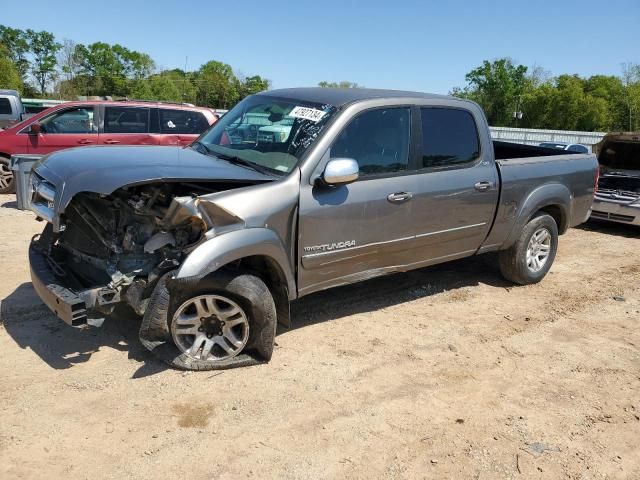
12 185
247 289
512 261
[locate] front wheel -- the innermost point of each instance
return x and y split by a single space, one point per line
7 181
530 258
227 320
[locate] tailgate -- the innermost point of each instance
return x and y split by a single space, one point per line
22 165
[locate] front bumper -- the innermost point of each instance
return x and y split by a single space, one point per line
615 211
62 301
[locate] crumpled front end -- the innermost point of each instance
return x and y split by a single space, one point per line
111 249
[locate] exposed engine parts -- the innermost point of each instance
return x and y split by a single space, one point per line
115 247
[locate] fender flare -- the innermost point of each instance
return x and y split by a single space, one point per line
548 195
228 247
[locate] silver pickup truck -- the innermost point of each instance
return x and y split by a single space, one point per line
210 243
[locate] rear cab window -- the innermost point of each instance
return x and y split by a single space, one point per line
449 138
5 106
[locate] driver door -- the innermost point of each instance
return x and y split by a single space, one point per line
66 128
363 229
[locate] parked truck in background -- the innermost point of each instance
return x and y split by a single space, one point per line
14 109
209 243
11 108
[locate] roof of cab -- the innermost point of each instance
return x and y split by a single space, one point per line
342 96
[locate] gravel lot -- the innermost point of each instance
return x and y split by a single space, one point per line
446 372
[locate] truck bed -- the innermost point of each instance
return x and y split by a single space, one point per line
568 180
510 151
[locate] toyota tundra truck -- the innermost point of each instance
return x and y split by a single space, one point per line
210 243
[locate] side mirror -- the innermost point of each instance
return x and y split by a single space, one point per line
340 171
35 128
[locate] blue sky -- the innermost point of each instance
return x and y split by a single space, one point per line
415 45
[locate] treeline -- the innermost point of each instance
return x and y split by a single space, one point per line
36 64
515 95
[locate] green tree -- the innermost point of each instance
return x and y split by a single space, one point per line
43 48
184 83
109 69
567 102
342 84
17 47
631 82
157 87
498 87
254 84
217 86
9 74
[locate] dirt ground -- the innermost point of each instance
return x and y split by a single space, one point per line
446 372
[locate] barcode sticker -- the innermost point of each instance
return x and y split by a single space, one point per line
307 113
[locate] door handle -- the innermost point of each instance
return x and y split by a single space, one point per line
482 186
399 197
111 142
85 141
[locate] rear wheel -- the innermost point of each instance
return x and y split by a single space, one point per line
7 182
530 258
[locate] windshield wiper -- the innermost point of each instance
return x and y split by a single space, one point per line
233 159
198 143
241 161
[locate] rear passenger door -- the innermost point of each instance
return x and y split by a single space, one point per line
127 125
457 185
181 126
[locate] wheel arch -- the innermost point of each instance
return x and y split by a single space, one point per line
553 199
256 249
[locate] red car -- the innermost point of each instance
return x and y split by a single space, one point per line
75 124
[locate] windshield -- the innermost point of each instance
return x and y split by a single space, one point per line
271 133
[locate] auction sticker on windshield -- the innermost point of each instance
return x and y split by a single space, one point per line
307 113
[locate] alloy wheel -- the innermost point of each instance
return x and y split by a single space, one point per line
6 175
538 249
210 328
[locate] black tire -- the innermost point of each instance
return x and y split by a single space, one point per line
246 289
513 262
6 186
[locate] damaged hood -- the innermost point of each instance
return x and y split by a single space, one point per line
105 169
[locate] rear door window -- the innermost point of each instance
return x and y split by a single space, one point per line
126 120
5 106
449 138
182 122
378 140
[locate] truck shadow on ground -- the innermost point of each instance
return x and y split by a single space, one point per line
395 289
33 326
611 228
30 323
9 204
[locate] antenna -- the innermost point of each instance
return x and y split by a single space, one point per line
184 80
